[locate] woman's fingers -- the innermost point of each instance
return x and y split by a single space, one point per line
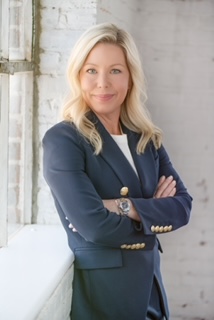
166 187
161 180
172 193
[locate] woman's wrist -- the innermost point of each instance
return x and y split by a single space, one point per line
124 206
112 205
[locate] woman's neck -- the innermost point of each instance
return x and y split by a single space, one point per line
111 125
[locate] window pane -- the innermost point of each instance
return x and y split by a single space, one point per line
20 30
4 35
16 96
20 151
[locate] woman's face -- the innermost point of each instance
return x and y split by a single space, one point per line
105 79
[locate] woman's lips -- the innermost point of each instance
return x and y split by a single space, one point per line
103 97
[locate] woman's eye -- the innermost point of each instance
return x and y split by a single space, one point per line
115 71
91 71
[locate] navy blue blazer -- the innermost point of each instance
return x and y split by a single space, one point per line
79 180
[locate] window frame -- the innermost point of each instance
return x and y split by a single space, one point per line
23 65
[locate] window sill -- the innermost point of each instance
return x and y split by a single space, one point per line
31 267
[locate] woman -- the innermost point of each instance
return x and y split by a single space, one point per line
112 181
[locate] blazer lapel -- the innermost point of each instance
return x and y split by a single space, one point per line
145 164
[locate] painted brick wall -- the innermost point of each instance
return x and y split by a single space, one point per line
176 40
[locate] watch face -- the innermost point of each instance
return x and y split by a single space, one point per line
124 205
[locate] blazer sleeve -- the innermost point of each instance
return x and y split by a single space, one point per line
165 214
73 192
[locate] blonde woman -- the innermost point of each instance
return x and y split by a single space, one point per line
114 186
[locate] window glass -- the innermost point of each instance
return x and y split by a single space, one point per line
16 98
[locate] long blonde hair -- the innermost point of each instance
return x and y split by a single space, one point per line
134 114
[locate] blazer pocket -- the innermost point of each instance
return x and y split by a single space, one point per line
97 258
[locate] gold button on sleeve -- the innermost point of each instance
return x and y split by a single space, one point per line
157 229
161 229
153 228
165 229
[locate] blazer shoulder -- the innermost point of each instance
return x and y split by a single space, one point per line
60 128
62 131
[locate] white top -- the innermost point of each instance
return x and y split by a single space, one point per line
122 143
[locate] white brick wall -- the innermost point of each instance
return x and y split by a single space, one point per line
176 40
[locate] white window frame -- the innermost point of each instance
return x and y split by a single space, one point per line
21 63
4 95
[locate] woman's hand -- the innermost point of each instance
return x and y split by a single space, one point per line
166 187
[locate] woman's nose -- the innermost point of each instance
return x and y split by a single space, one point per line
103 81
